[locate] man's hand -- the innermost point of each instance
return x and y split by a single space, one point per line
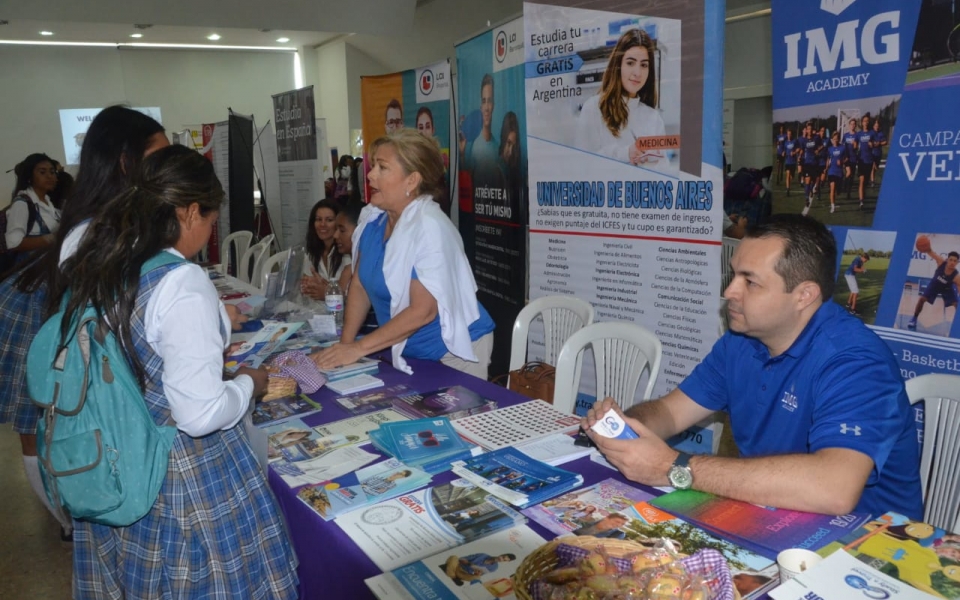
645 460
337 355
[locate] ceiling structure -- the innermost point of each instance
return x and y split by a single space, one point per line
238 22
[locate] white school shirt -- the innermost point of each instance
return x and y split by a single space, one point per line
19 214
323 267
593 135
188 327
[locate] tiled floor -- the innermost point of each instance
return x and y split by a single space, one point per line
34 563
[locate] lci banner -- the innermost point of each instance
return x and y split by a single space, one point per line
492 178
624 113
416 98
867 132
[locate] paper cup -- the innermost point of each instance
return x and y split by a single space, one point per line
794 561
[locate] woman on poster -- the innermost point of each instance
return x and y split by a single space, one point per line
625 109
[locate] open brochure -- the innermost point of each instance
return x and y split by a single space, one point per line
253 352
579 508
415 525
323 468
479 570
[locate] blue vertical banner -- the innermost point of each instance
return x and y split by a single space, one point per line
492 189
867 139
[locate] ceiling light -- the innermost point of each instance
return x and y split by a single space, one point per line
213 37
46 33
283 40
136 35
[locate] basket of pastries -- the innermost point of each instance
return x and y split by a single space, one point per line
591 568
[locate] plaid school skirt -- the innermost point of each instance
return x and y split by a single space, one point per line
215 532
21 316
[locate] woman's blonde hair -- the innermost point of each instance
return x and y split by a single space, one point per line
416 154
613 105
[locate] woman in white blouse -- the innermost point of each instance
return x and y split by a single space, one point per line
32 218
625 109
325 261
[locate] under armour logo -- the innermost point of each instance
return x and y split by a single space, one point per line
844 429
835 7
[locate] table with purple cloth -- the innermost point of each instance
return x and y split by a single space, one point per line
331 565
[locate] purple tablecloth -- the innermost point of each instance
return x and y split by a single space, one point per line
331 565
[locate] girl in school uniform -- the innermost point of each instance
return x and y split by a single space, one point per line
214 530
32 219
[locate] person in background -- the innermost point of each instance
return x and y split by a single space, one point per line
626 107
811 438
343 178
32 218
325 263
115 143
215 522
63 190
393 116
345 225
410 266
836 154
357 191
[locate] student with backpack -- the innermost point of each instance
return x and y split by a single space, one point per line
113 147
214 529
31 219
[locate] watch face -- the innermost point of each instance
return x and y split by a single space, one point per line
680 477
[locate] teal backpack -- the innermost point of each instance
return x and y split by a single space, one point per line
101 455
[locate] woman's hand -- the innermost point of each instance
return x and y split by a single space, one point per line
260 378
337 355
313 286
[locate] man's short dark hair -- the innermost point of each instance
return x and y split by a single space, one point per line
487 80
954 254
809 252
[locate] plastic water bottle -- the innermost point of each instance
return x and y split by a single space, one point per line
334 301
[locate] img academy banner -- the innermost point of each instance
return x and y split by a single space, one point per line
624 133
416 98
881 79
492 182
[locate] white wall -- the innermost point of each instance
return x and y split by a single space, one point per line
359 64
331 94
189 87
748 82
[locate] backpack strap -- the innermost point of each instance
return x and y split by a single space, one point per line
160 259
33 215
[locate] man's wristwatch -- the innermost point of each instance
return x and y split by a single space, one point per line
680 474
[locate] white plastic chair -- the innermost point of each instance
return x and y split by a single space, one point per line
940 459
267 240
268 264
621 352
726 274
247 269
239 241
562 316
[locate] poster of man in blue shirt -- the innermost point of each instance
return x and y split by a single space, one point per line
816 401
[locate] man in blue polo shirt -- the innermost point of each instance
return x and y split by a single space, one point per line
816 402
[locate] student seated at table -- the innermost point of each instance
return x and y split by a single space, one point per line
410 265
816 402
